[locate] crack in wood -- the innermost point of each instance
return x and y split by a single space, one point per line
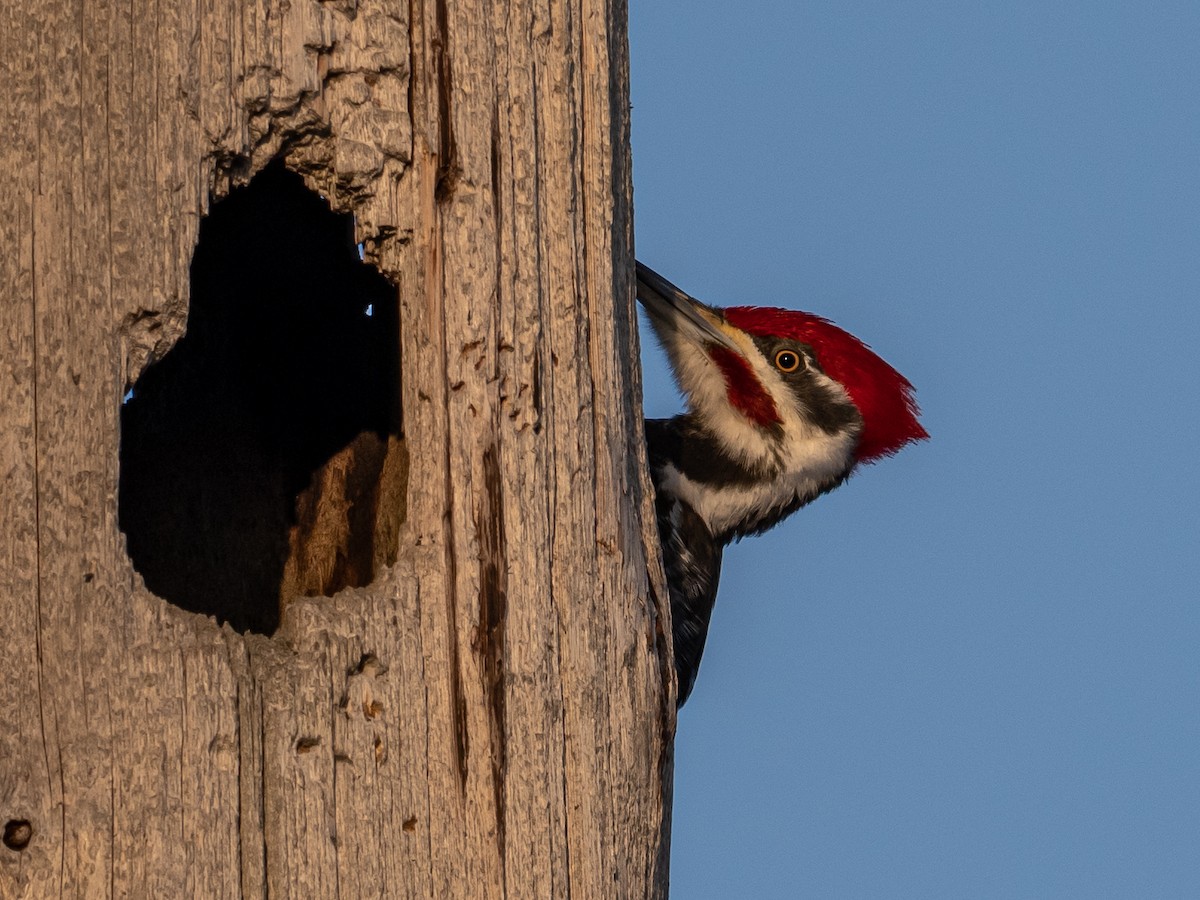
493 612
458 702
448 169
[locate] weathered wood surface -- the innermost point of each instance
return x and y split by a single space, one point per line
487 719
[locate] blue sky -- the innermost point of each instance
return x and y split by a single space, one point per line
974 671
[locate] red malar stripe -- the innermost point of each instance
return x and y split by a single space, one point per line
743 388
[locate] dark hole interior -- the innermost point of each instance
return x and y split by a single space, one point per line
291 354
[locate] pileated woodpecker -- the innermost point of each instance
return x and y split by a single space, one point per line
782 405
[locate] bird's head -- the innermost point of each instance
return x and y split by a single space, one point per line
781 390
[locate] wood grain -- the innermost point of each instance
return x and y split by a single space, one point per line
492 716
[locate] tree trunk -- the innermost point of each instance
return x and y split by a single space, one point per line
481 704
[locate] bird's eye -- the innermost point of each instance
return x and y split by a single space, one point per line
787 361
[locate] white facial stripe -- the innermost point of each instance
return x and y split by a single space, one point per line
804 454
804 446
703 385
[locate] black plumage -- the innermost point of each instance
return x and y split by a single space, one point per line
691 554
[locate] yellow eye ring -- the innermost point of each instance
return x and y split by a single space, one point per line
787 361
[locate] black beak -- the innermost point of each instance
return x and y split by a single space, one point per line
670 307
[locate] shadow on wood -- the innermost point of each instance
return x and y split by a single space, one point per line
260 459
